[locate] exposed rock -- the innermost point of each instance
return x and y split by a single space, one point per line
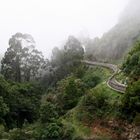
128 131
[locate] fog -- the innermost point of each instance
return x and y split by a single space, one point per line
131 11
50 22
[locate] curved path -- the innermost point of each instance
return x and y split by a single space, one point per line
112 82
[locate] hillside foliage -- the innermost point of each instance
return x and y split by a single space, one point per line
61 98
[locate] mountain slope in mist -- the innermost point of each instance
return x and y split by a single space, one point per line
0 58
118 41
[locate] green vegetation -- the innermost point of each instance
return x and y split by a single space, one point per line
92 106
35 93
19 102
121 77
131 66
62 98
131 100
100 103
94 76
22 63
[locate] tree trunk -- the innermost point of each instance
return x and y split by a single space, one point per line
18 71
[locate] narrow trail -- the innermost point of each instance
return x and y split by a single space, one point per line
111 82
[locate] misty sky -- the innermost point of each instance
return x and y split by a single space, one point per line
50 22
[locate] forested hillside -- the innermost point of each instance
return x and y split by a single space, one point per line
114 44
90 93
63 98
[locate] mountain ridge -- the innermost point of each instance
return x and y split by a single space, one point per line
115 43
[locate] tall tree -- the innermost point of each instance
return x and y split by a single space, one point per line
22 61
131 66
64 61
73 48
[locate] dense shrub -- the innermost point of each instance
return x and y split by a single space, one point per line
19 102
131 66
52 131
131 101
94 76
93 106
70 90
48 112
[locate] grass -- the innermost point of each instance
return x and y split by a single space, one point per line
83 131
103 73
80 129
70 118
111 93
120 77
114 99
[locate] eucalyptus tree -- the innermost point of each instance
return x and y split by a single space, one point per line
22 62
64 61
